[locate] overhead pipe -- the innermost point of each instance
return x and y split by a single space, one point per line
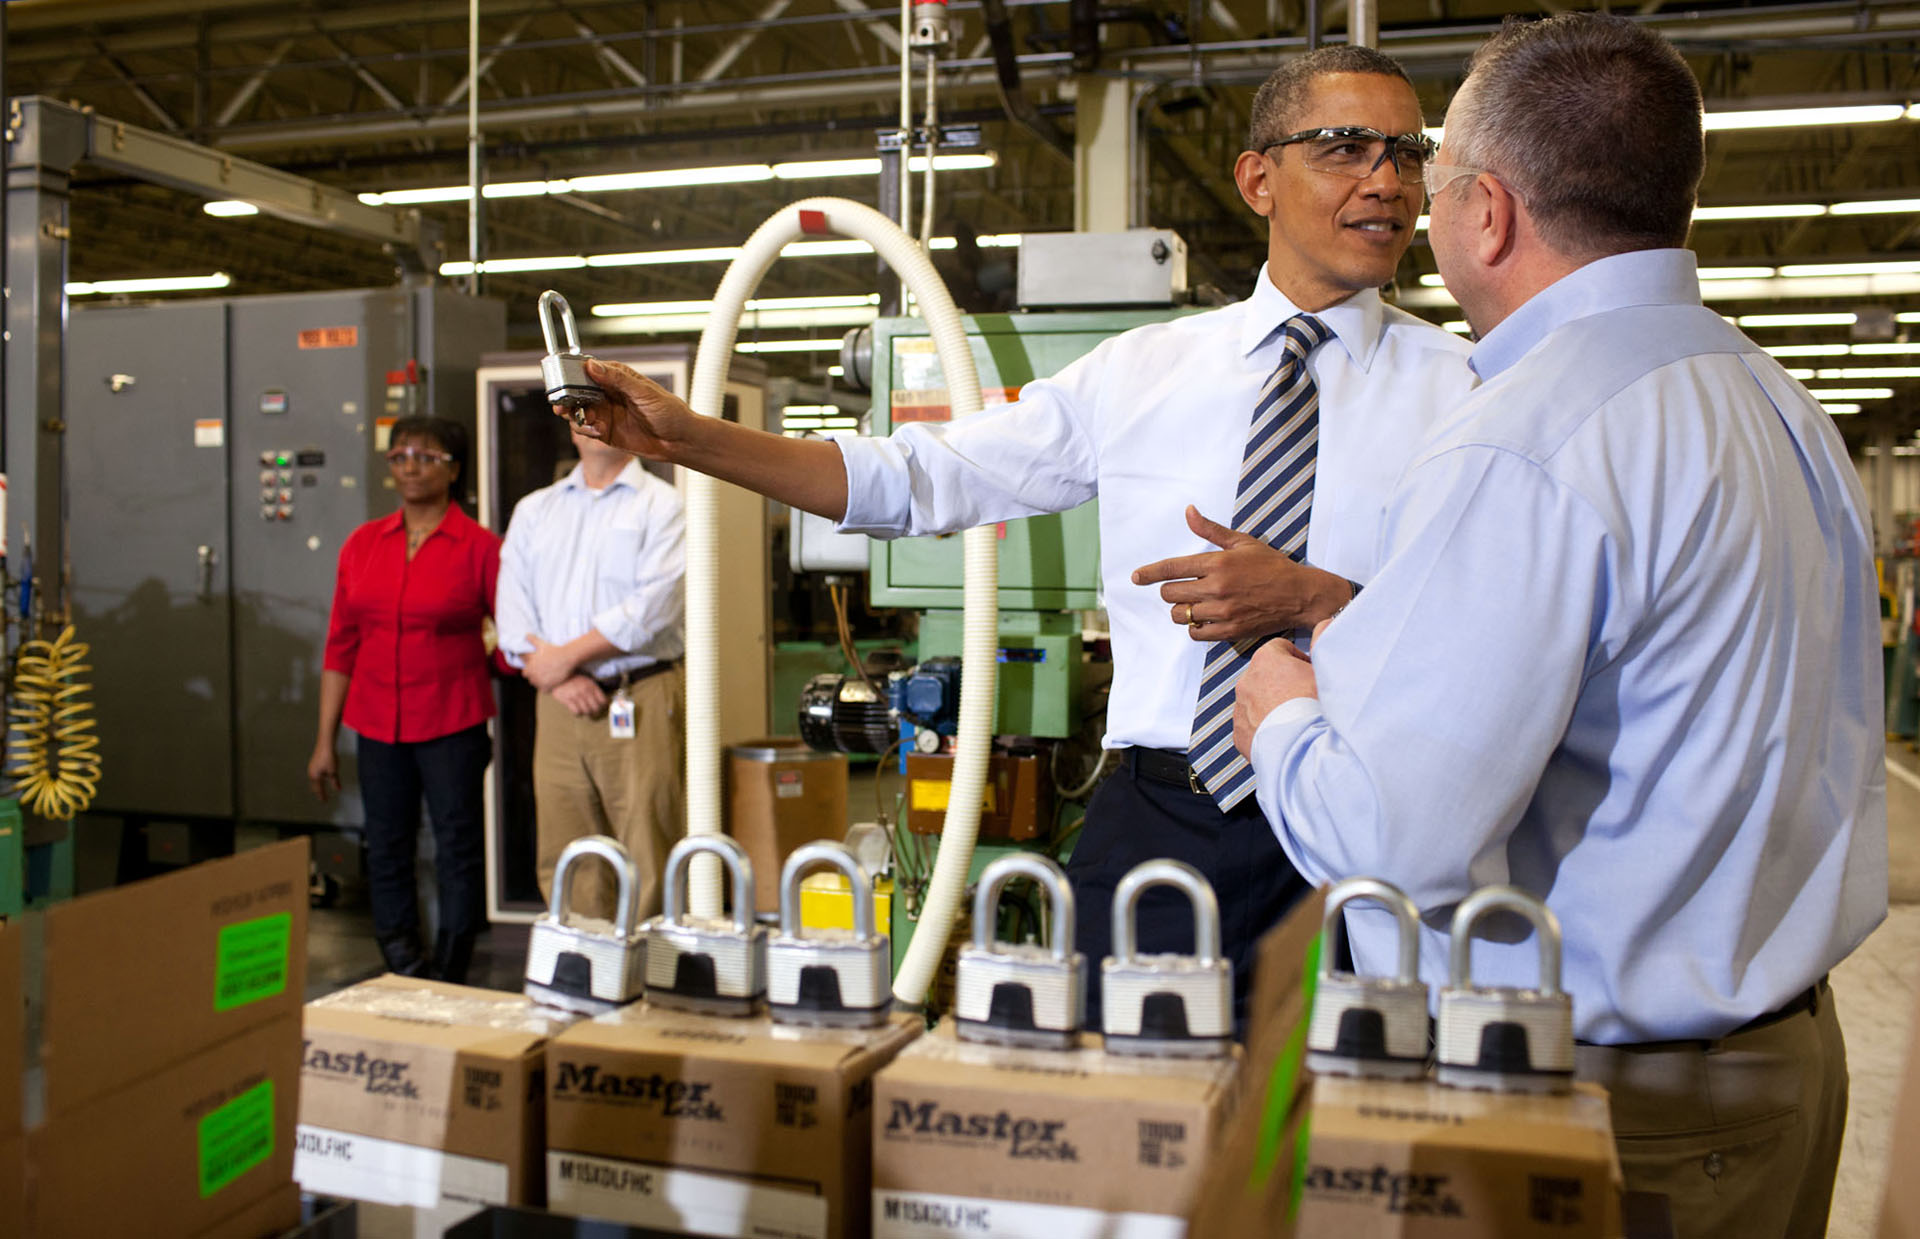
980 643
1006 66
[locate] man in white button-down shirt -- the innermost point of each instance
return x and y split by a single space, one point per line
1155 423
590 609
1623 651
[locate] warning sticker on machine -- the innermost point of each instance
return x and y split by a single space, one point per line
251 960
933 404
330 337
357 1167
236 1137
928 1215
681 1200
209 432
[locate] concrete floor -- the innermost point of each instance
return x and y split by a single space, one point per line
1876 990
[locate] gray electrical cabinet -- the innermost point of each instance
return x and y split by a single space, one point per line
218 454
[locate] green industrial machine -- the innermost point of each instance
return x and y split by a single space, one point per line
1049 573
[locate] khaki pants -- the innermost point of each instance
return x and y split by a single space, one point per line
585 782
1742 1134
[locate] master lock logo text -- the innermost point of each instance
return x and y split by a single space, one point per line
1398 1191
1025 1138
386 1077
688 1099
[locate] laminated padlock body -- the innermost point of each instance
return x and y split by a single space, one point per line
715 966
831 976
706 965
1167 1004
587 964
1499 1037
1367 1025
564 369
1021 995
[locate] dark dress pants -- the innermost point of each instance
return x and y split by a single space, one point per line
450 772
1134 817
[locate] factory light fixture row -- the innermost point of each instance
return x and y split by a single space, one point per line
678 178
711 253
161 284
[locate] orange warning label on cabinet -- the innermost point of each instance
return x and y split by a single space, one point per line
931 404
330 337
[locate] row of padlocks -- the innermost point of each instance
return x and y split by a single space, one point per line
1008 994
1498 1037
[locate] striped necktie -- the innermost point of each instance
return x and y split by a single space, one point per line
1273 502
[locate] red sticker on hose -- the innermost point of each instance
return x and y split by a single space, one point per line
814 223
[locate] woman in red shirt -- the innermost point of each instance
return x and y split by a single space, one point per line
407 669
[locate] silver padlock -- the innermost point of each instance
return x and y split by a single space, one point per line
1362 1025
1021 995
565 370
1167 1005
586 964
833 976
1501 1037
714 966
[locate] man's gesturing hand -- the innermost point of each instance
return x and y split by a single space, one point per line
638 415
1244 589
1278 673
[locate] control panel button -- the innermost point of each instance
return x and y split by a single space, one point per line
268 512
266 458
286 496
286 511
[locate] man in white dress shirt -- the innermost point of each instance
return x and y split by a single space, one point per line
1160 424
589 608
1623 649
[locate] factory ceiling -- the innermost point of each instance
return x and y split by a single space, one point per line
371 95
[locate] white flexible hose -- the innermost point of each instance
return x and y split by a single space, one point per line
980 644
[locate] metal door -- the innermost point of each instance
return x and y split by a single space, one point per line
146 400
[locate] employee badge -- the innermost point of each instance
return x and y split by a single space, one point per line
620 715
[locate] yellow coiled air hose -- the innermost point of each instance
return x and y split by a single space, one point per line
55 755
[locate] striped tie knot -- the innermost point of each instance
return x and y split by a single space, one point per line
1272 502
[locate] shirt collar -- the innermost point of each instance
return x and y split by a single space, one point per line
1642 277
455 524
1355 322
628 476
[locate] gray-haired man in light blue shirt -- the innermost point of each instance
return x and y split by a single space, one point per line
1622 650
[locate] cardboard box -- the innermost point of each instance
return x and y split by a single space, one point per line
181 963
715 1126
187 1151
1392 1158
1252 1188
13 1032
1900 1212
271 1216
414 1091
993 1142
781 794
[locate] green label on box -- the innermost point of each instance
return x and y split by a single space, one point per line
252 961
236 1138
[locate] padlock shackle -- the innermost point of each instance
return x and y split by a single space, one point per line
615 854
1167 872
1546 930
549 302
1404 912
833 855
732 855
1045 872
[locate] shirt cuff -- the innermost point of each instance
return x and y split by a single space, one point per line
878 487
616 626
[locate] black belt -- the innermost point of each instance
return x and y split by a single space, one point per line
1163 766
614 683
1807 1001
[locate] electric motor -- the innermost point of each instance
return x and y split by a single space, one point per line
843 714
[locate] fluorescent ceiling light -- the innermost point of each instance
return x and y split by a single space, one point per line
814 169
1807 350
1765 210
1891 348
1872 206
672 178
632 308
1804 270
837 371
1794 118
1842 409
1804 288
1459 327
163 284
406 197
787 346
229 207
1908 317
662 258
1796 320
751 321
1881 373
1735 273
839 247
1824 394
1433 281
